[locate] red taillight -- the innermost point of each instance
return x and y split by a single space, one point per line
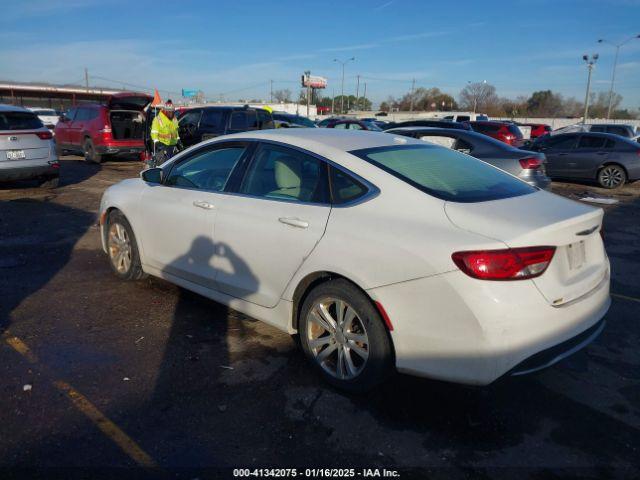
507 264
45 135
530 163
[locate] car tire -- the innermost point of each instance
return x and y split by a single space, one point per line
354 355
612 176
49 182
90 154
122 248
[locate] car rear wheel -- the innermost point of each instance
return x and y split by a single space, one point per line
344 337
122 248
612 176
90 154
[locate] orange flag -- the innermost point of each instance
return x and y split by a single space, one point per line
156 98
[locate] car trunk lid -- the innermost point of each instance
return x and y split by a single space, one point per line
544 219
25 141
129 101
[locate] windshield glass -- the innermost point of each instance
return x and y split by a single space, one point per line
19 121
445 173
372 126
45 113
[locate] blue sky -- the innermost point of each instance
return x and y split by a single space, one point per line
233 48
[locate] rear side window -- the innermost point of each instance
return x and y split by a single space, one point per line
19 121
618 131
463 118
445 174
562 142
598 128
588 141
238 121
485 127
344 188
252 120
212 119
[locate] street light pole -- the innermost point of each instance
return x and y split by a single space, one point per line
591 62
615 64
343 63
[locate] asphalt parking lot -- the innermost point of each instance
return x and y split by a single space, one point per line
99 373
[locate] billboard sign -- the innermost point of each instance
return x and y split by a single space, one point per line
189 93
313 81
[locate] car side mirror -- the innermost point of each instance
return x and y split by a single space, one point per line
152 175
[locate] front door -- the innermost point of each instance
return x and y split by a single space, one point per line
177 230
266 230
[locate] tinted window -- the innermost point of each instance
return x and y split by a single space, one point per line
617 131
588 141
206 170
482 117
598 128
19 121
462 146
304 121
212 119
485 127
190 118
239 121
252 120
282 173
344 188
445 174
463 118
561 142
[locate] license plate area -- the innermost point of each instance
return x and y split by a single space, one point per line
16 155
576 255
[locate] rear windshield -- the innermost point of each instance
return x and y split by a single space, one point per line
19 121
445 173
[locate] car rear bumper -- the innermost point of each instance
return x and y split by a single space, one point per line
119 149
25 172
456 328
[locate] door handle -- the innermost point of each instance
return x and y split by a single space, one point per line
294 222
203 204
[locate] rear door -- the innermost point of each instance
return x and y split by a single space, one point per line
274 221
589 155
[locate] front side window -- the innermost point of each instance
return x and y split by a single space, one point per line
212 119
444 173
355 126
207 169
239 121
618 131
282 173
562 143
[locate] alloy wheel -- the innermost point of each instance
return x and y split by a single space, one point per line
337 338
611 177
119 245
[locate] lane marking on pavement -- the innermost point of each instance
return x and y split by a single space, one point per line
110 429
625 297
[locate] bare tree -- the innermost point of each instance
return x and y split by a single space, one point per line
479 96
282 96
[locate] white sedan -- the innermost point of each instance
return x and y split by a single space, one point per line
381 252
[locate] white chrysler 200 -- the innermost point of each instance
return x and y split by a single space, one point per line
381 252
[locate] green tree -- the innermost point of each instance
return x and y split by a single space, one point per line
545 103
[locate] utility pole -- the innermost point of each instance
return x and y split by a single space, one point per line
591 62
413 86
86 78
365 94
615 64
308 74
333 99
357 91
271 91
343 63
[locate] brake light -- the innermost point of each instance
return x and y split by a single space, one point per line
45 135
530 163
507 264
105 129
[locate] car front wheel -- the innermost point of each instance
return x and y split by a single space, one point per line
344 337
122 248
612 176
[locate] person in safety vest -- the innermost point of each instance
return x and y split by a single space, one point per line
164 133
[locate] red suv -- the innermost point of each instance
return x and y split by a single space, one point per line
505 132
538 129
116 127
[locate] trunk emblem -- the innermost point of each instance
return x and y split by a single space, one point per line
13 138
588 231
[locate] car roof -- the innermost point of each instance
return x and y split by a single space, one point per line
610 125
13 108
337 140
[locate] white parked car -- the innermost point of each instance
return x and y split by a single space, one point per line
48 116
27 149
379 251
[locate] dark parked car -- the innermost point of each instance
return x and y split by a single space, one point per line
527 166
506 132
352 124
428 123
609 159
202 123
287 120
116 127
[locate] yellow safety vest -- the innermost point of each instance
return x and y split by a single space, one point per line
164 130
